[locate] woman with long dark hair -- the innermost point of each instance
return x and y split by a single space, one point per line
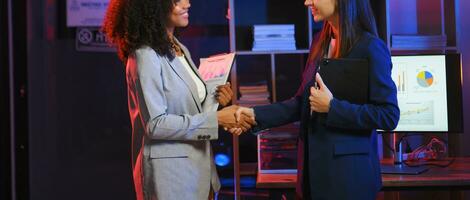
171 121
338 156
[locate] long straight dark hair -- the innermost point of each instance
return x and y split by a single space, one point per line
354 18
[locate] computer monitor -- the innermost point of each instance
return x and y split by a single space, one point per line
429 91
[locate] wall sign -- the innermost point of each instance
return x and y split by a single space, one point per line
86 12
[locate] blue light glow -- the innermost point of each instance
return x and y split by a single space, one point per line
221 160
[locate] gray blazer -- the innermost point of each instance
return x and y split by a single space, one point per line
172 156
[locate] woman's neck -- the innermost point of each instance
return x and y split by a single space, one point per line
170 31
175 46
333 47
334 23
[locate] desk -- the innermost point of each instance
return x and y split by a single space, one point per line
454 177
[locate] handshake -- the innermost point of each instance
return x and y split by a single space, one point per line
236 119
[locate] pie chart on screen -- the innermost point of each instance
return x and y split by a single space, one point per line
425 79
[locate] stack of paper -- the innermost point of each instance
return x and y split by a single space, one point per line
419 41
254 95
274 37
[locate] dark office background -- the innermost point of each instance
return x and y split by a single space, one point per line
70 122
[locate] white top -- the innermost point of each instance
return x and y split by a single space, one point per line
201 88
331 48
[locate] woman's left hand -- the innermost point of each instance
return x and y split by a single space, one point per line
224 94
320 97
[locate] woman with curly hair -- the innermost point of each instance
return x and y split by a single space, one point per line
171 122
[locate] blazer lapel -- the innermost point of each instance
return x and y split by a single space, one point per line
187 55
178 67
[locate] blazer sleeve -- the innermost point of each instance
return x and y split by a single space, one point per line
277 114
382 112
159 124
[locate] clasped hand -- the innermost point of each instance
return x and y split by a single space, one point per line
236 119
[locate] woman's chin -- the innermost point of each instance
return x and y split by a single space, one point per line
317 19
183 24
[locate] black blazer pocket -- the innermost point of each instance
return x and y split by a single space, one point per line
351 147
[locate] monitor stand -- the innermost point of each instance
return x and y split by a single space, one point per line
399 167
402 169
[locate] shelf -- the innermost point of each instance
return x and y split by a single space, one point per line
419 18
248 13
300 51
408 51
424 48
248 168
276 180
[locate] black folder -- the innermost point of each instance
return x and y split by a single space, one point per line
347 79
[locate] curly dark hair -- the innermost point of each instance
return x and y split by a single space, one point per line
130 24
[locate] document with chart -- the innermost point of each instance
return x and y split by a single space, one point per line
422 94
214 71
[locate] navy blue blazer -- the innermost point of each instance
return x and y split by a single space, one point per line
339 147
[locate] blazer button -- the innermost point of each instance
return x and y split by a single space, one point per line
326 61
